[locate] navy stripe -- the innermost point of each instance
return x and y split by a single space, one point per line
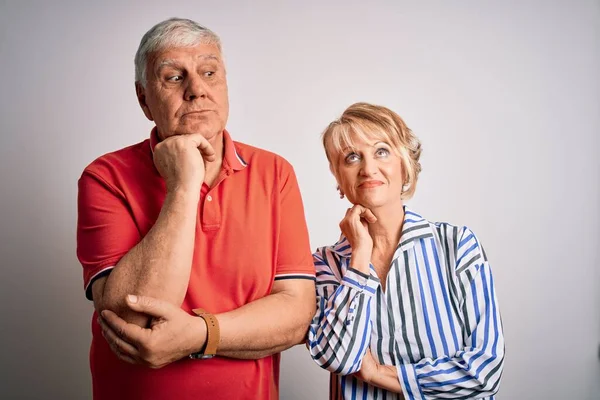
283 278
440 272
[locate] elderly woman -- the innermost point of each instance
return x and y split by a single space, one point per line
406 308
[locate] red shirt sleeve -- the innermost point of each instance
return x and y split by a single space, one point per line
294 258
106 230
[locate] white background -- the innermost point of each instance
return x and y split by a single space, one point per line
505 96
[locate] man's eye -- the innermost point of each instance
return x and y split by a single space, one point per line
382 152
352 157
209 73
175 78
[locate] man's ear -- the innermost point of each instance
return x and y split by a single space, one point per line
140 91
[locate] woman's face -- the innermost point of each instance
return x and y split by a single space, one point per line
369 174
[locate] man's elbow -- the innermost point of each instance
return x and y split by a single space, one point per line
105 299
298 334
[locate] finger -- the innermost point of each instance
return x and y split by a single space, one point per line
356 211
127 359
368 215
123 357
117 343
131 333
208 152
151 306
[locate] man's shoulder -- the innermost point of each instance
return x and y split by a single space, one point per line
133 159
130 158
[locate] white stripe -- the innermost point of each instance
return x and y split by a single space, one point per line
238 157
298 274
95 275
447 376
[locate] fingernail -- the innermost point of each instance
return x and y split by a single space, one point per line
132 298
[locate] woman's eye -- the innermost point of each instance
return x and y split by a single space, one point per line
382 152
352 157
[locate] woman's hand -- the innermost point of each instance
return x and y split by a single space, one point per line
369 368
354 226
381 376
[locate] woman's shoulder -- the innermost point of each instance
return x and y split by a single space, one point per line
457 241
339 249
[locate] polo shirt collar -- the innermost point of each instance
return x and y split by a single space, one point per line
415 227
231 157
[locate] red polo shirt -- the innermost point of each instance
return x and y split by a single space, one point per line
250 232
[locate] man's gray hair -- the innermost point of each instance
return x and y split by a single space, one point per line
174 32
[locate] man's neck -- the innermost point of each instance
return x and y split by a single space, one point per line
213 168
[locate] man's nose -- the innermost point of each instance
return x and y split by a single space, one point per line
195 88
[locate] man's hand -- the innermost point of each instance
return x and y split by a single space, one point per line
180 160
355 227
173 334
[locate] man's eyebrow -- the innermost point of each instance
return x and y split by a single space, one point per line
167 63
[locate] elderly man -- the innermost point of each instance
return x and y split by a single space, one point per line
192 245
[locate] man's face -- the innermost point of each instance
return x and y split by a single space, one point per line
186 91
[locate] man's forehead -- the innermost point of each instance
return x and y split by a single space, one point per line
171 55
165 61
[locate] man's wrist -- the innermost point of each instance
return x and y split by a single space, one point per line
211 337
184 191
200 335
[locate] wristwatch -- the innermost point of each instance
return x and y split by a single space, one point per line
213 335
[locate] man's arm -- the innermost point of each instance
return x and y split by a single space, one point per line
271 324
159 265
258 329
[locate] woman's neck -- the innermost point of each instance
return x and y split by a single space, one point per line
386 232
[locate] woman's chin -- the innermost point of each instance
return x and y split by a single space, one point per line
370 201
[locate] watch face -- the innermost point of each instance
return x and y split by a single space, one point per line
200 356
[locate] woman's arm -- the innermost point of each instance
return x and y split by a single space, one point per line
381 376
340 332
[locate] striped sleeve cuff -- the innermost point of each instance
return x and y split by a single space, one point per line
360 281
103 272
281 277
407 375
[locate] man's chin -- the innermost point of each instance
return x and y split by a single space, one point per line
207 131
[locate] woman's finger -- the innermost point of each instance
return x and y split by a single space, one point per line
368 216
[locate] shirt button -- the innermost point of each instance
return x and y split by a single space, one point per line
209 197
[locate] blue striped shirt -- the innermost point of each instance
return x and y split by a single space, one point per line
437 321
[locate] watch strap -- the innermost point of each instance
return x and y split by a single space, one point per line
213 335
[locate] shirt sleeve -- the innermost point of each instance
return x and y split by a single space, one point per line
474 371
106 230
294 259
340 332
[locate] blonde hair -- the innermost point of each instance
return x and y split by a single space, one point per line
367 121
